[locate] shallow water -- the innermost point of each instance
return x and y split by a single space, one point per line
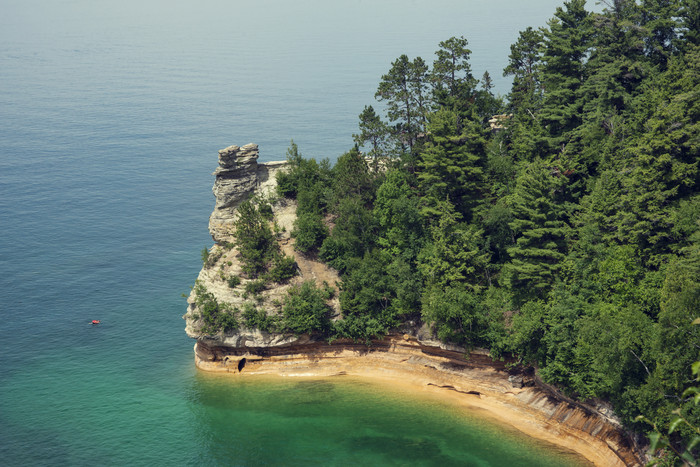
112 114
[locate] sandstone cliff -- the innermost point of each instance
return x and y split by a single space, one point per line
238 177
412 355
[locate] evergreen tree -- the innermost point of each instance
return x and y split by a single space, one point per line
453 83
403 90
540 223
525 130
452 163
374 133
662 159
565 49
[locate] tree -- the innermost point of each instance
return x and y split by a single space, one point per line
453 83
374 132
661 160
396 210
565 49
403 90
525 129
253 237
454 256
451 167
540 224
305 311
523 65
486 103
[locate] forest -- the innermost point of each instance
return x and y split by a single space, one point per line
557 226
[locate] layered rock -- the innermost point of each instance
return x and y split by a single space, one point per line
238 176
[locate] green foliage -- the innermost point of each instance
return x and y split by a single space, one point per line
254 238
283 268
454 256
567 238
403 89
215 317
233 281
255 287
457 315
304 310
540 224
374 133
354 234
396 210
258 319
451 166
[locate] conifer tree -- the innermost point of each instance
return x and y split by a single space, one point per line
662 160
403 89
374 133
540 223
525 131
452 164
453 83
565 49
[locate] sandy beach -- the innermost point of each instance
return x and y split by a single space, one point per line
473 384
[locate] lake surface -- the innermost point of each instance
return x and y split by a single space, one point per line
111 117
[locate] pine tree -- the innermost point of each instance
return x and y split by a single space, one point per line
662 160
452 164
374 133
540 223
524 129
565 49
453 83
403 89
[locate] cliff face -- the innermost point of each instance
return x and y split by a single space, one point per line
411 356
238 177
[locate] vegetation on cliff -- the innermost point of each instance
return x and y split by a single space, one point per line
563 231
559 225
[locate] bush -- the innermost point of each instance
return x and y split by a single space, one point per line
233 281
216 317
259 319
254 238
309 232
305 310
255 287
283 269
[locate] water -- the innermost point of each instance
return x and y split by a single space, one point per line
111 116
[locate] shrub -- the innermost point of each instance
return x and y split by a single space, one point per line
215 317
233 281
305 310
309 231
283 268
259 319
255 287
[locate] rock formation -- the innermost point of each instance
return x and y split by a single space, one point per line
238 176
411 355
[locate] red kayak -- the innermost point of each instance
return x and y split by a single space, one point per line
95 321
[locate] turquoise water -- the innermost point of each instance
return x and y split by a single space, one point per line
111 117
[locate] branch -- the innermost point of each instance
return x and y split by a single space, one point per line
640 361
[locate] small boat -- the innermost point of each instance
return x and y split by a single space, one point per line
95 321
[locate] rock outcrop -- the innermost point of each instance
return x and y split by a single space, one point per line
238 176
411 356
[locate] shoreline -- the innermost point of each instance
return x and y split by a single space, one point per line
476 383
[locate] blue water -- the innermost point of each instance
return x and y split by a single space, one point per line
111 115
